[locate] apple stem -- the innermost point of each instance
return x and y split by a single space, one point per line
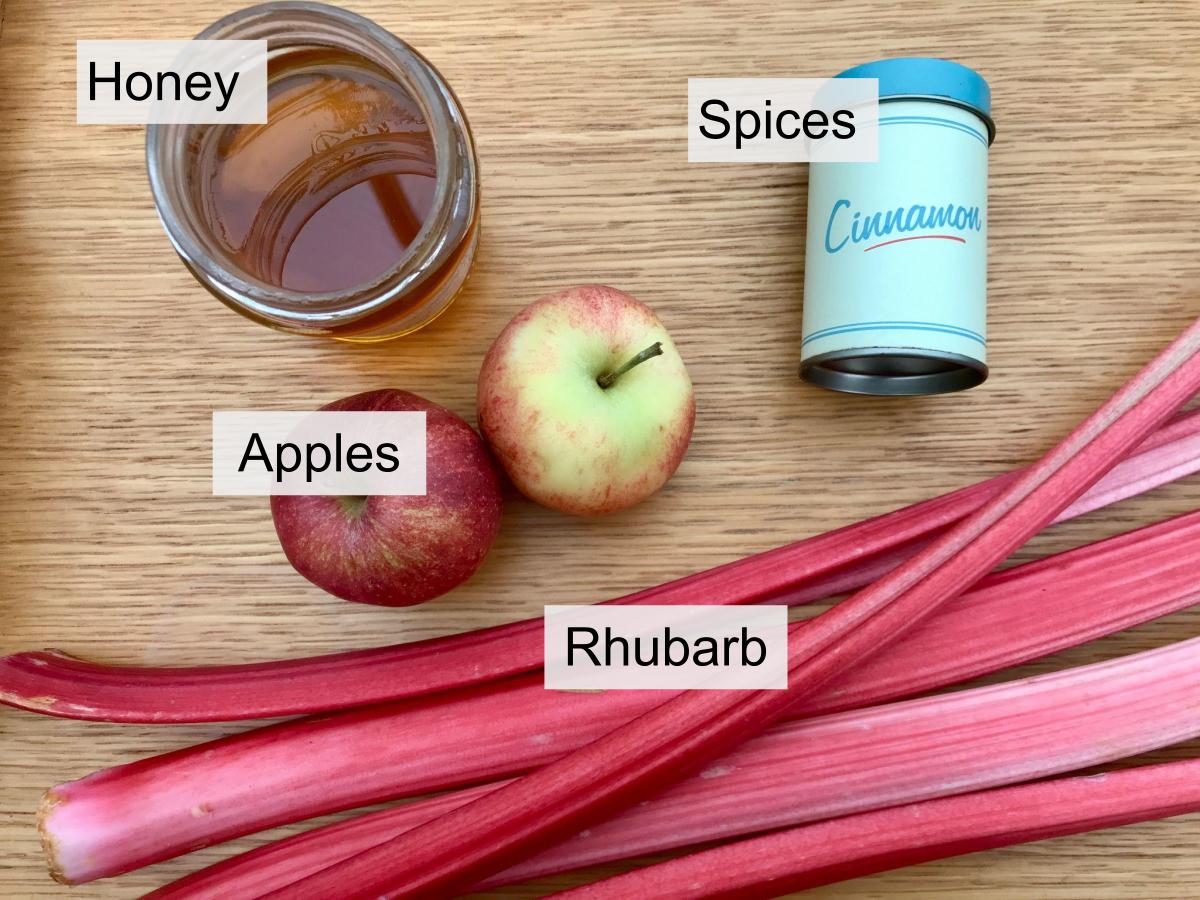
608 378
352 505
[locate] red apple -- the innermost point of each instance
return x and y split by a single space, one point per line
399 551
585 401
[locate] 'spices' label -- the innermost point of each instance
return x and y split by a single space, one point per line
139 82
609 647
257 453
775 120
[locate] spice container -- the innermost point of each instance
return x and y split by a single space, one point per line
895 272
353 212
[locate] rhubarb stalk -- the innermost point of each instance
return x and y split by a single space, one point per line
815 769
676 739
132 815
813 569
829 852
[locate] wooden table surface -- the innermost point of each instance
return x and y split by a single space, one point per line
112 546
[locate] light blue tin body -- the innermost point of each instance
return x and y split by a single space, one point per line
895 288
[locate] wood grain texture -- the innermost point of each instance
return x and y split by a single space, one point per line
113 358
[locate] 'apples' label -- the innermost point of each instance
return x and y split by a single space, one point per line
257 453
666 647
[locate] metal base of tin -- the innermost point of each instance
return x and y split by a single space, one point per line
893 372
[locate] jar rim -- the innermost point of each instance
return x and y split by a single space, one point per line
293 23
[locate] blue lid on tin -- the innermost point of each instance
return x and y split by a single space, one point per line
930 78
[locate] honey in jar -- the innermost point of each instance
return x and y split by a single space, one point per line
333 189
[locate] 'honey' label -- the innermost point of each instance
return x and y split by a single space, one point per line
165 82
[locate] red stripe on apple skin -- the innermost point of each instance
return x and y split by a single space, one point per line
400 551
568 449
597 307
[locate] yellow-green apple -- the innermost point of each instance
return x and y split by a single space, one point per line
585 401
395 550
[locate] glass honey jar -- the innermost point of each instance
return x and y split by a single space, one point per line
353 212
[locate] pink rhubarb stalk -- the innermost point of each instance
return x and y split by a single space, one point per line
496 831
816 769
872 842
132 815
812 569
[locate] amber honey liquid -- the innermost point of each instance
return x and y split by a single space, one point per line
331 192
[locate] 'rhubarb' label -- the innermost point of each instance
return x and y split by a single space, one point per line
666 647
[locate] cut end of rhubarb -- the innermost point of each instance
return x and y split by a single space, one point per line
29 700
32 704
50 800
